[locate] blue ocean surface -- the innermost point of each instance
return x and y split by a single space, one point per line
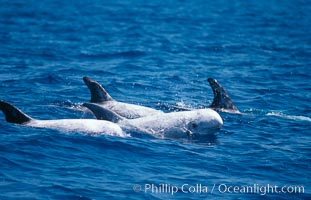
157 54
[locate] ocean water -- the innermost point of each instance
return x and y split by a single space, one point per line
157 54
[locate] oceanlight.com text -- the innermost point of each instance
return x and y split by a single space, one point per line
186 188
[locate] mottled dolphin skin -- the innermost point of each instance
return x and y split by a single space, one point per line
90 126
101 97
165 125
222 101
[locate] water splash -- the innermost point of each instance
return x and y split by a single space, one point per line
291 117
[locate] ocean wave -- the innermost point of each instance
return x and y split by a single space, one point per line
291 117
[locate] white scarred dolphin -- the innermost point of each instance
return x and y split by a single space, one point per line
101 97
166 125
91 126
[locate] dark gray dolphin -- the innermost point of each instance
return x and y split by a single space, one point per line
222 101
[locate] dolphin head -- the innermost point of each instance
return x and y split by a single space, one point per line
204 122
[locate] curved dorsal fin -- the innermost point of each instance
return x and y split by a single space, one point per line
13 114
103 113
98 93
221 101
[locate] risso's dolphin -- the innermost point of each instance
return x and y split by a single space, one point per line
221 101
91 126
101 97
165 125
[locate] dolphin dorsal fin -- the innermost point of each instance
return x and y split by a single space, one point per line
98 92
103 113
221 101
13 114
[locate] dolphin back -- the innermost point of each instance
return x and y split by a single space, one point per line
103 113
13 114
222 101
98 92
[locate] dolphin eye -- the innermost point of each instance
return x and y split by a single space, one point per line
194 125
